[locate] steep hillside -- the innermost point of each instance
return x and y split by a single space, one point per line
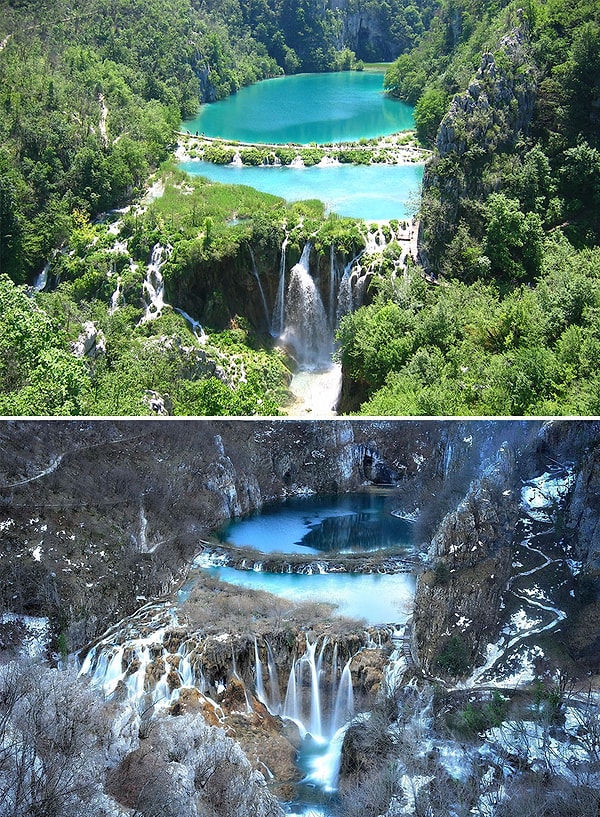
509 99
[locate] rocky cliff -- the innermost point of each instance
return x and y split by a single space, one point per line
97 516
457 602
459 599
486 119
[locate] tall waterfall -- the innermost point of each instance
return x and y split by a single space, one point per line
260 288
306 327
278 320
346 301
304 700
333 286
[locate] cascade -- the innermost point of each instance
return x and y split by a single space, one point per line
115 297
447 459
306 327
42 278
315 692
333 286
260 289
279 310
196 327
304 698
344 700
273 679
291 708
258 678
345 298
153 288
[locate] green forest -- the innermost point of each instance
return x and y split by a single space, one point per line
500 315
509 99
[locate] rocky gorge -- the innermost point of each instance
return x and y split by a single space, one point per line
103 521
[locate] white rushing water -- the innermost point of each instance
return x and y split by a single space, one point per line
306 330
153 287
278 320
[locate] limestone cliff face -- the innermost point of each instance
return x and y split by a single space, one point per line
457 603
583 510
367 33
487 118
458 600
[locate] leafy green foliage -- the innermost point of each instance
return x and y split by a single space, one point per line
454 658
473 349
38 374
479 716
428 113
90 100
524 124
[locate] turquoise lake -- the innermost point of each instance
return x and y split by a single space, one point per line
304 108
372 192
316 108
344 523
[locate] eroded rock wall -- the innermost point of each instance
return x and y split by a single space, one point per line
487 118
97 516
457 602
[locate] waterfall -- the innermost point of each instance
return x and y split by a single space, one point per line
196 327
278 321
333 286
42 278
345 298
135 657
153 288
260 289
447 459
291 708
273 680
344 702
258 677
315 691
306 327
115 297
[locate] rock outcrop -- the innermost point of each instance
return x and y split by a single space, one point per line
583 511
457 602
486 119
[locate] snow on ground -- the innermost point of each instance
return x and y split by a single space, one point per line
541 495
35 636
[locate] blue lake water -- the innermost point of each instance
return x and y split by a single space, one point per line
347 523
376 598
316 108
371 192
304 108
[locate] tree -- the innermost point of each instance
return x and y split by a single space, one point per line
513 240
428 113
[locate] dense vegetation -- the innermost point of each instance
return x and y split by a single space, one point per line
510 220
465 348
90 99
